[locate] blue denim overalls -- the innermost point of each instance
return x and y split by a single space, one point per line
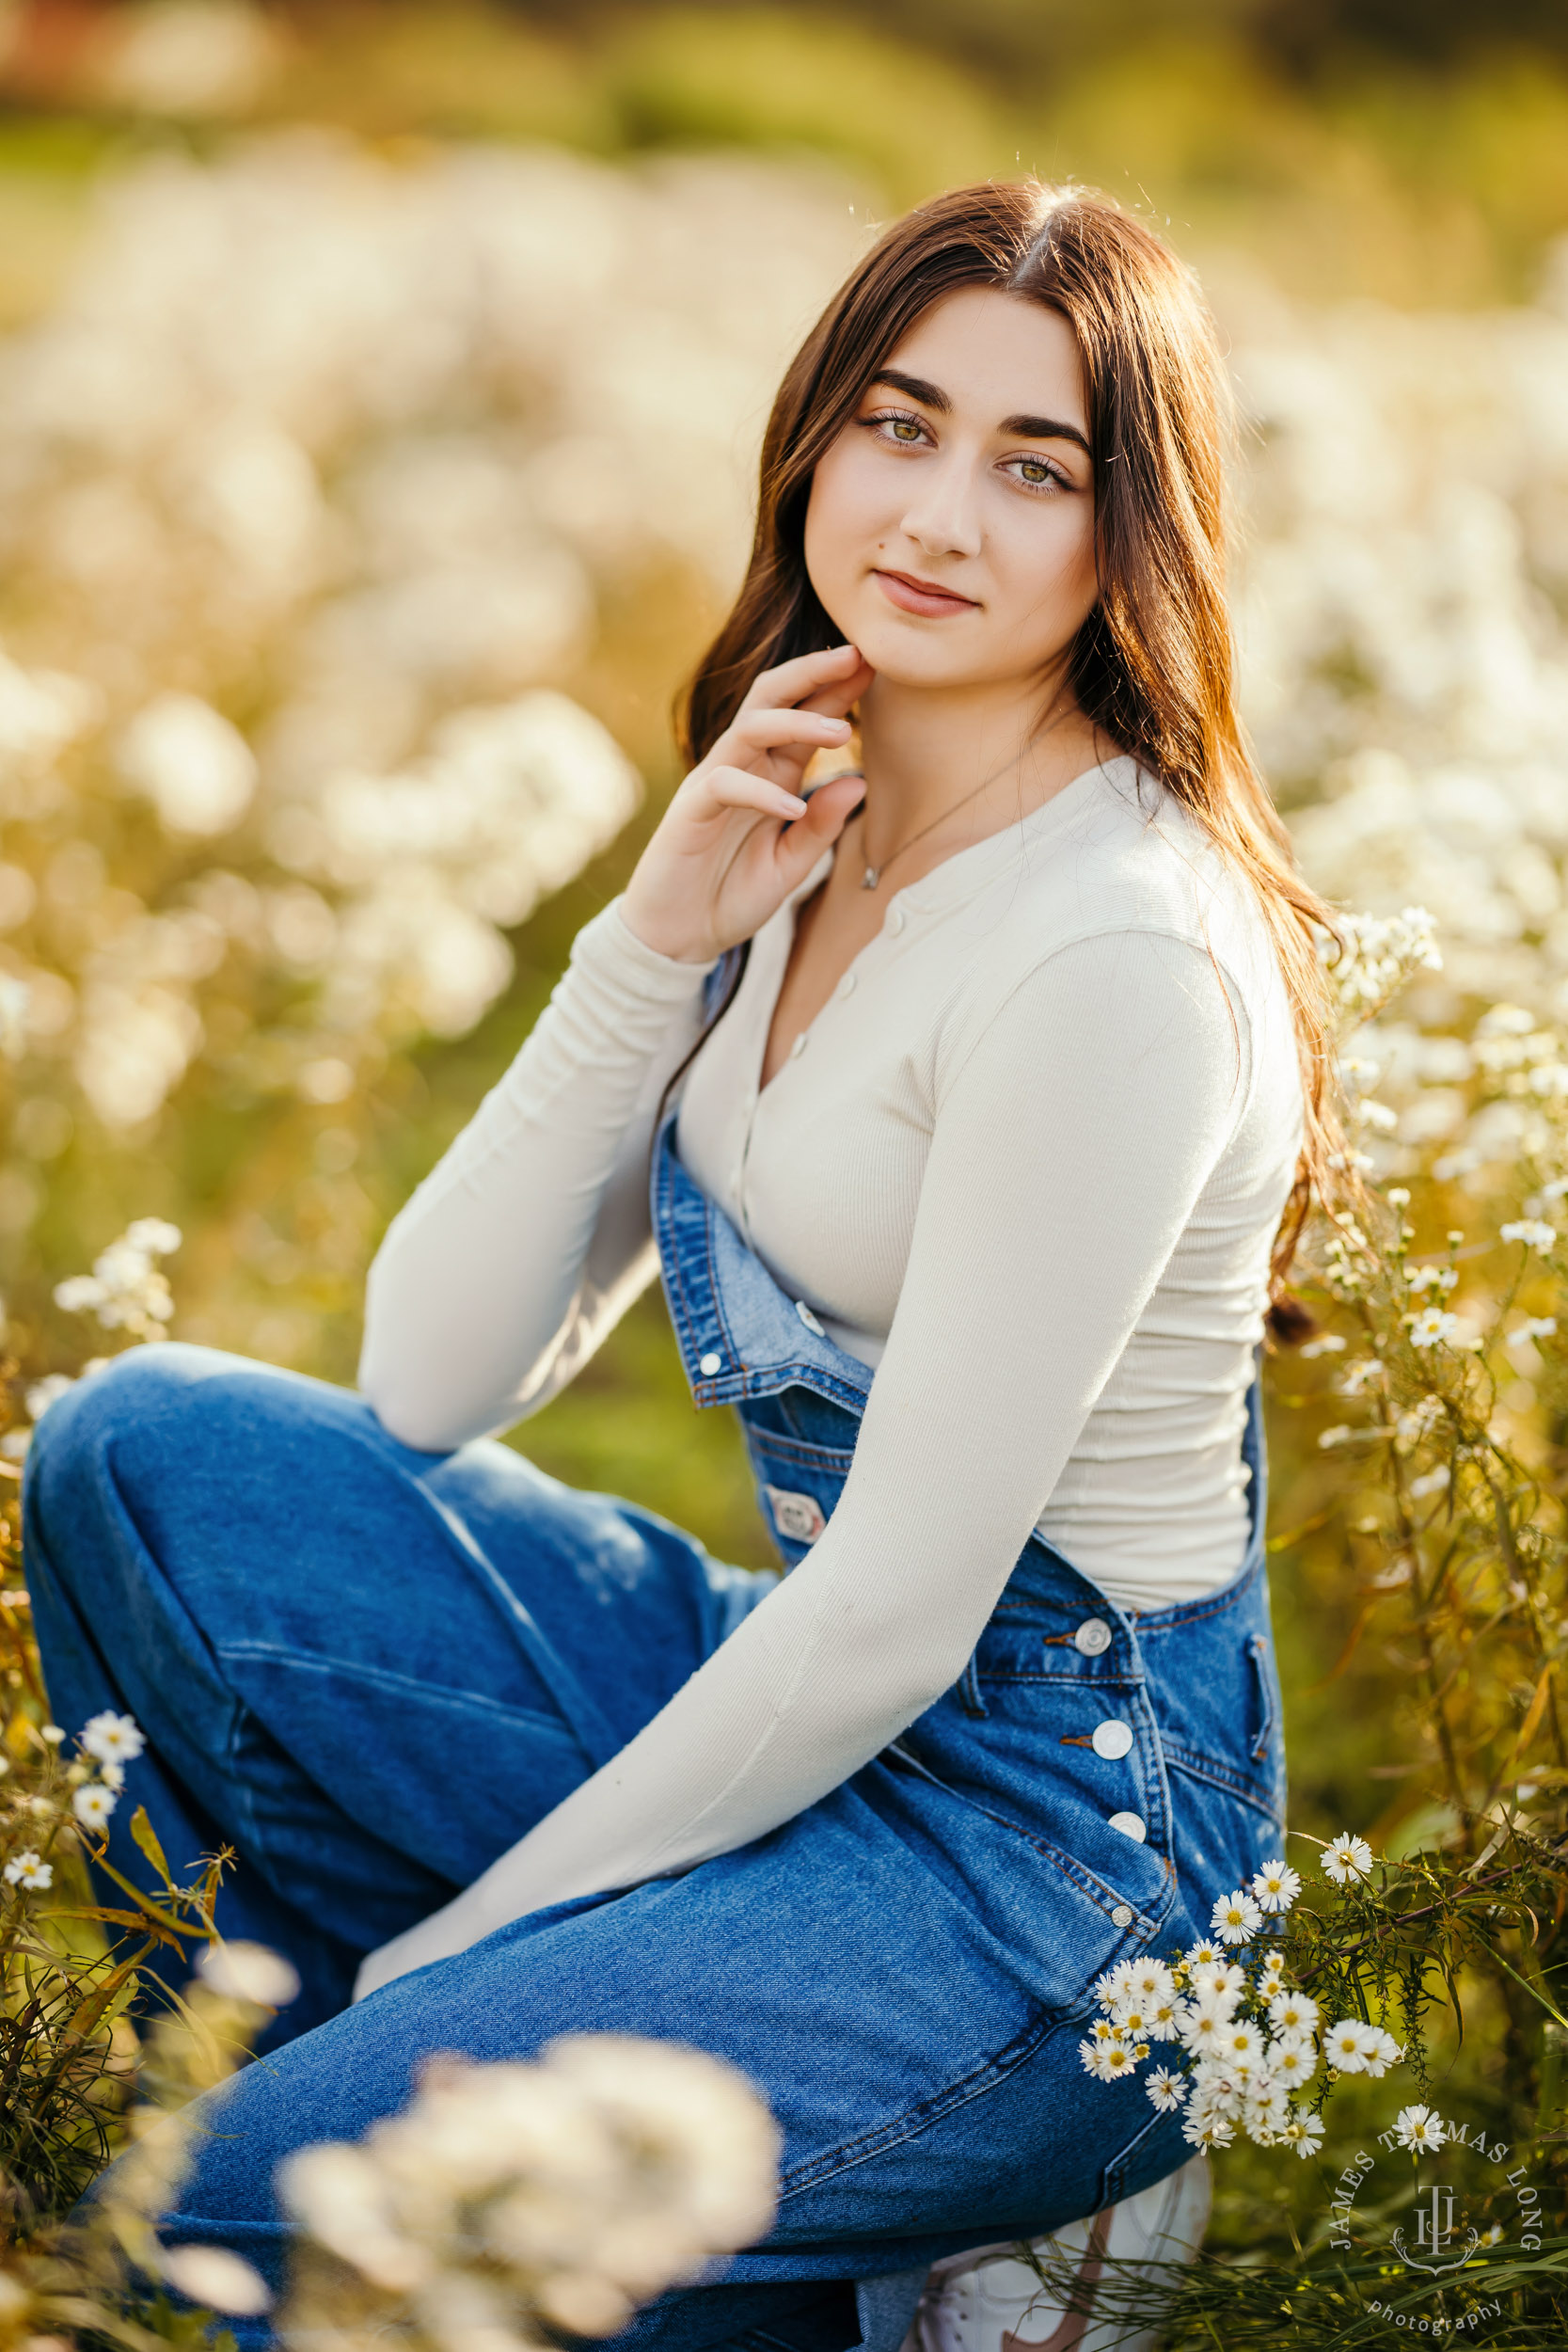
372 1697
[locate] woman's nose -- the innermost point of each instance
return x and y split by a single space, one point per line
944 518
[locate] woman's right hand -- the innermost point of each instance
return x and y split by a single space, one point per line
738 837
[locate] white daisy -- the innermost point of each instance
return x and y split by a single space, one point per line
1200 2027
93 1804
1269 2102
1292 2060
112 1739
1222 1980
1343 2046
1241 2045
1110 1988
1166 2089
1114 2060
1421 2130
1293 2012
1379 2050
1305 2133
1151 1981
1276 1886
1203 1954
1208 2131
1236 1918
1347 1859
1216 2092
25 1869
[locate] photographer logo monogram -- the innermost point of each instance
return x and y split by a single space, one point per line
1437 2237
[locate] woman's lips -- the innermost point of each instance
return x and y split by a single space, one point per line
918 596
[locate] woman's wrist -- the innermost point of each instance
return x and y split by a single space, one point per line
658 953
671 942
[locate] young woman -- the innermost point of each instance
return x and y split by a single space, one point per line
978 1093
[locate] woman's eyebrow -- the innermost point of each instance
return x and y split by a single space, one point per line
1024 428
929 395
1045 429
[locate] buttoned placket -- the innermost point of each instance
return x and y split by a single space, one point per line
895 923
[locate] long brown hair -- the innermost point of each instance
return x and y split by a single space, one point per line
1153 666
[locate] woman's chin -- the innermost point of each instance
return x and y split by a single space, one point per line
915 653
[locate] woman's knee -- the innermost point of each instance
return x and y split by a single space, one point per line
143 1415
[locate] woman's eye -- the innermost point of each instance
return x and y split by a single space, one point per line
1038 473
897 425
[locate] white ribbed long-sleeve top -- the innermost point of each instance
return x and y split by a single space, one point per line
1028 1162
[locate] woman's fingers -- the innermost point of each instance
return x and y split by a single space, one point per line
809 672
737 787
767 730
828 811
798 847
841 693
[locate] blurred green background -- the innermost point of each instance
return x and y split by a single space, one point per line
224 1028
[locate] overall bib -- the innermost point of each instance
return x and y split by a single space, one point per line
308 1618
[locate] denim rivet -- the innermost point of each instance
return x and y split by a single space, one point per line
809 1319
798 1517
1112 1739
710 1364
1130 1825
1092 1636
1123 1915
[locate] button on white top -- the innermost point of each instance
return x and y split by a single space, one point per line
846 985
1112 1737
1130 1825
1092 1636
896 918
809 1319
799 1047
710 1365
1123 1915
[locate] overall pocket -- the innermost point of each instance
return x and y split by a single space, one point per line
798 1483
1215 1692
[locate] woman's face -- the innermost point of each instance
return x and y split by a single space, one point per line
950 529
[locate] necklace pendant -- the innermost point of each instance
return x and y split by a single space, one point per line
871 877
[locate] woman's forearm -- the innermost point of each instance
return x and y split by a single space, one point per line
1031 1263
531 1236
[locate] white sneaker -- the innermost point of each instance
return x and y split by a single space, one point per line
988 2300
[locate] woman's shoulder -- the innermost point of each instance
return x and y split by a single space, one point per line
1123 854
1122 858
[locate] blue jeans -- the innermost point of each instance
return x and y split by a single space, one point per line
371 1671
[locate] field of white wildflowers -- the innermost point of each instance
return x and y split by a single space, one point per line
361 504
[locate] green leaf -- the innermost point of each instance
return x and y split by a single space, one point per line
147 1839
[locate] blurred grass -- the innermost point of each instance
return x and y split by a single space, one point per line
1382 179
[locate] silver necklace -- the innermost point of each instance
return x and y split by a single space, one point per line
872 875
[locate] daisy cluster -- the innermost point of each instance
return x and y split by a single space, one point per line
126 1290
515 2197
1240 2041
95 1778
